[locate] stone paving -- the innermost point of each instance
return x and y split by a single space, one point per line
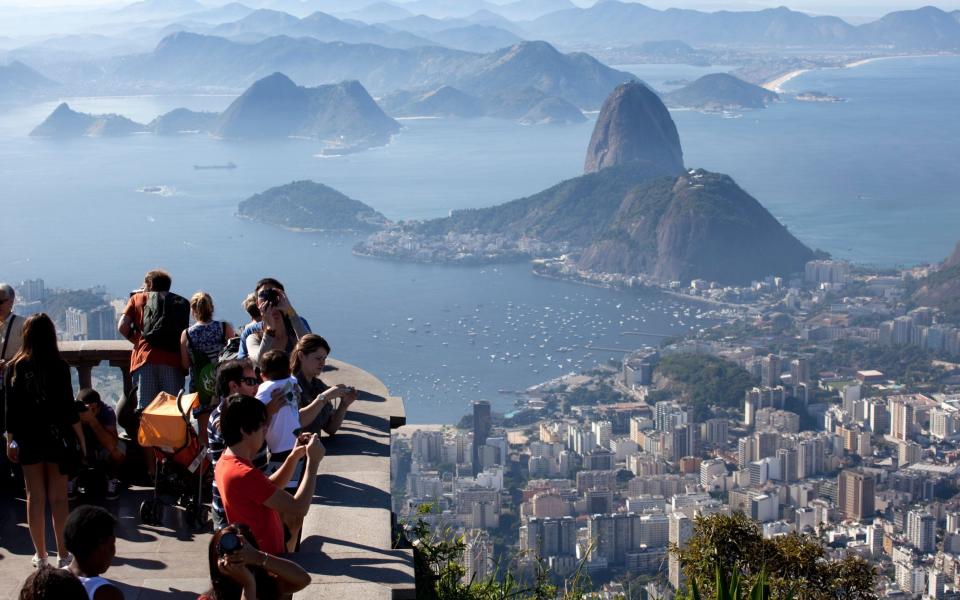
346 543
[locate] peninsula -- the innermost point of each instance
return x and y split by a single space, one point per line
636 213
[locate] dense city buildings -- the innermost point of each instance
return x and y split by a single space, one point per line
864 455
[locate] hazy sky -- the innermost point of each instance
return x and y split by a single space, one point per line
838 7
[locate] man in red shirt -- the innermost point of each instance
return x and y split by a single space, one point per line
154 370
249 496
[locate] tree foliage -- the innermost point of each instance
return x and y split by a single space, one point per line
795 566
707 381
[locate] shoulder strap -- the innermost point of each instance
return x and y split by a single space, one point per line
6 335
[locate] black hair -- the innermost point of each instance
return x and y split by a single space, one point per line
269 282
86 528
275 364
241 414
231 371
89 396
47 583
224 588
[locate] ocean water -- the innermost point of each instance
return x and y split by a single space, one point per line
866 179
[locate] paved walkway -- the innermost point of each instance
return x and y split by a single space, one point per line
346 537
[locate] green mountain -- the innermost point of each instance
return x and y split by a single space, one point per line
718 91
941 289
306 205
577 210
700 225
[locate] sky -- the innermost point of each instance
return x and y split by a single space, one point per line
872 8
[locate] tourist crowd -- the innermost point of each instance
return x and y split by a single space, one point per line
258 415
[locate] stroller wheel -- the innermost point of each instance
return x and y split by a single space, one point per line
156 511
146 513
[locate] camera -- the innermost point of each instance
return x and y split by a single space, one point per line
229 543
270 296
81 406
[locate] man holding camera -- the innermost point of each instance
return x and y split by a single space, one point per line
248 495
280 328
104 450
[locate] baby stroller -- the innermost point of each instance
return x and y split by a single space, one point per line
182 463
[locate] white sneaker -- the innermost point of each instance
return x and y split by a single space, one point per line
64 561
39 561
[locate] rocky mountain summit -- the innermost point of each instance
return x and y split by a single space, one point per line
633 125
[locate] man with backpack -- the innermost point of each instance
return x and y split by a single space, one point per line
153 321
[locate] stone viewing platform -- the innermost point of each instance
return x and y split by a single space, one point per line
347 540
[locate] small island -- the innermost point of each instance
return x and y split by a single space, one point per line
311 206
719 92
813 96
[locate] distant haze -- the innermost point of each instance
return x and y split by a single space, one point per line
851 8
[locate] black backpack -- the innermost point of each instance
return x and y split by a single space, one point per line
165 316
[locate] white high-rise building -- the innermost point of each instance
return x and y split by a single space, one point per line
922 530
602 430
681 530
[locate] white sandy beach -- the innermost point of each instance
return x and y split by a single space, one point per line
776 85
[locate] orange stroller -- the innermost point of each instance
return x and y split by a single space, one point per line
182 463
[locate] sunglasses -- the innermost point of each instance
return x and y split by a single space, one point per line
249 380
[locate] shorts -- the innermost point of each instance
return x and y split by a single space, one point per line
152 379
35 452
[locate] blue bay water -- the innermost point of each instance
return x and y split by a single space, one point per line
865 179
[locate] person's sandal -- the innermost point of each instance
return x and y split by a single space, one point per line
39 561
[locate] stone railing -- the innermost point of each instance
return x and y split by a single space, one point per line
347 540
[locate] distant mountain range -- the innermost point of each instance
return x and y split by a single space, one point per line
625 23
342 115
191 61
264 23
310 206
526 105
637 211
720 91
